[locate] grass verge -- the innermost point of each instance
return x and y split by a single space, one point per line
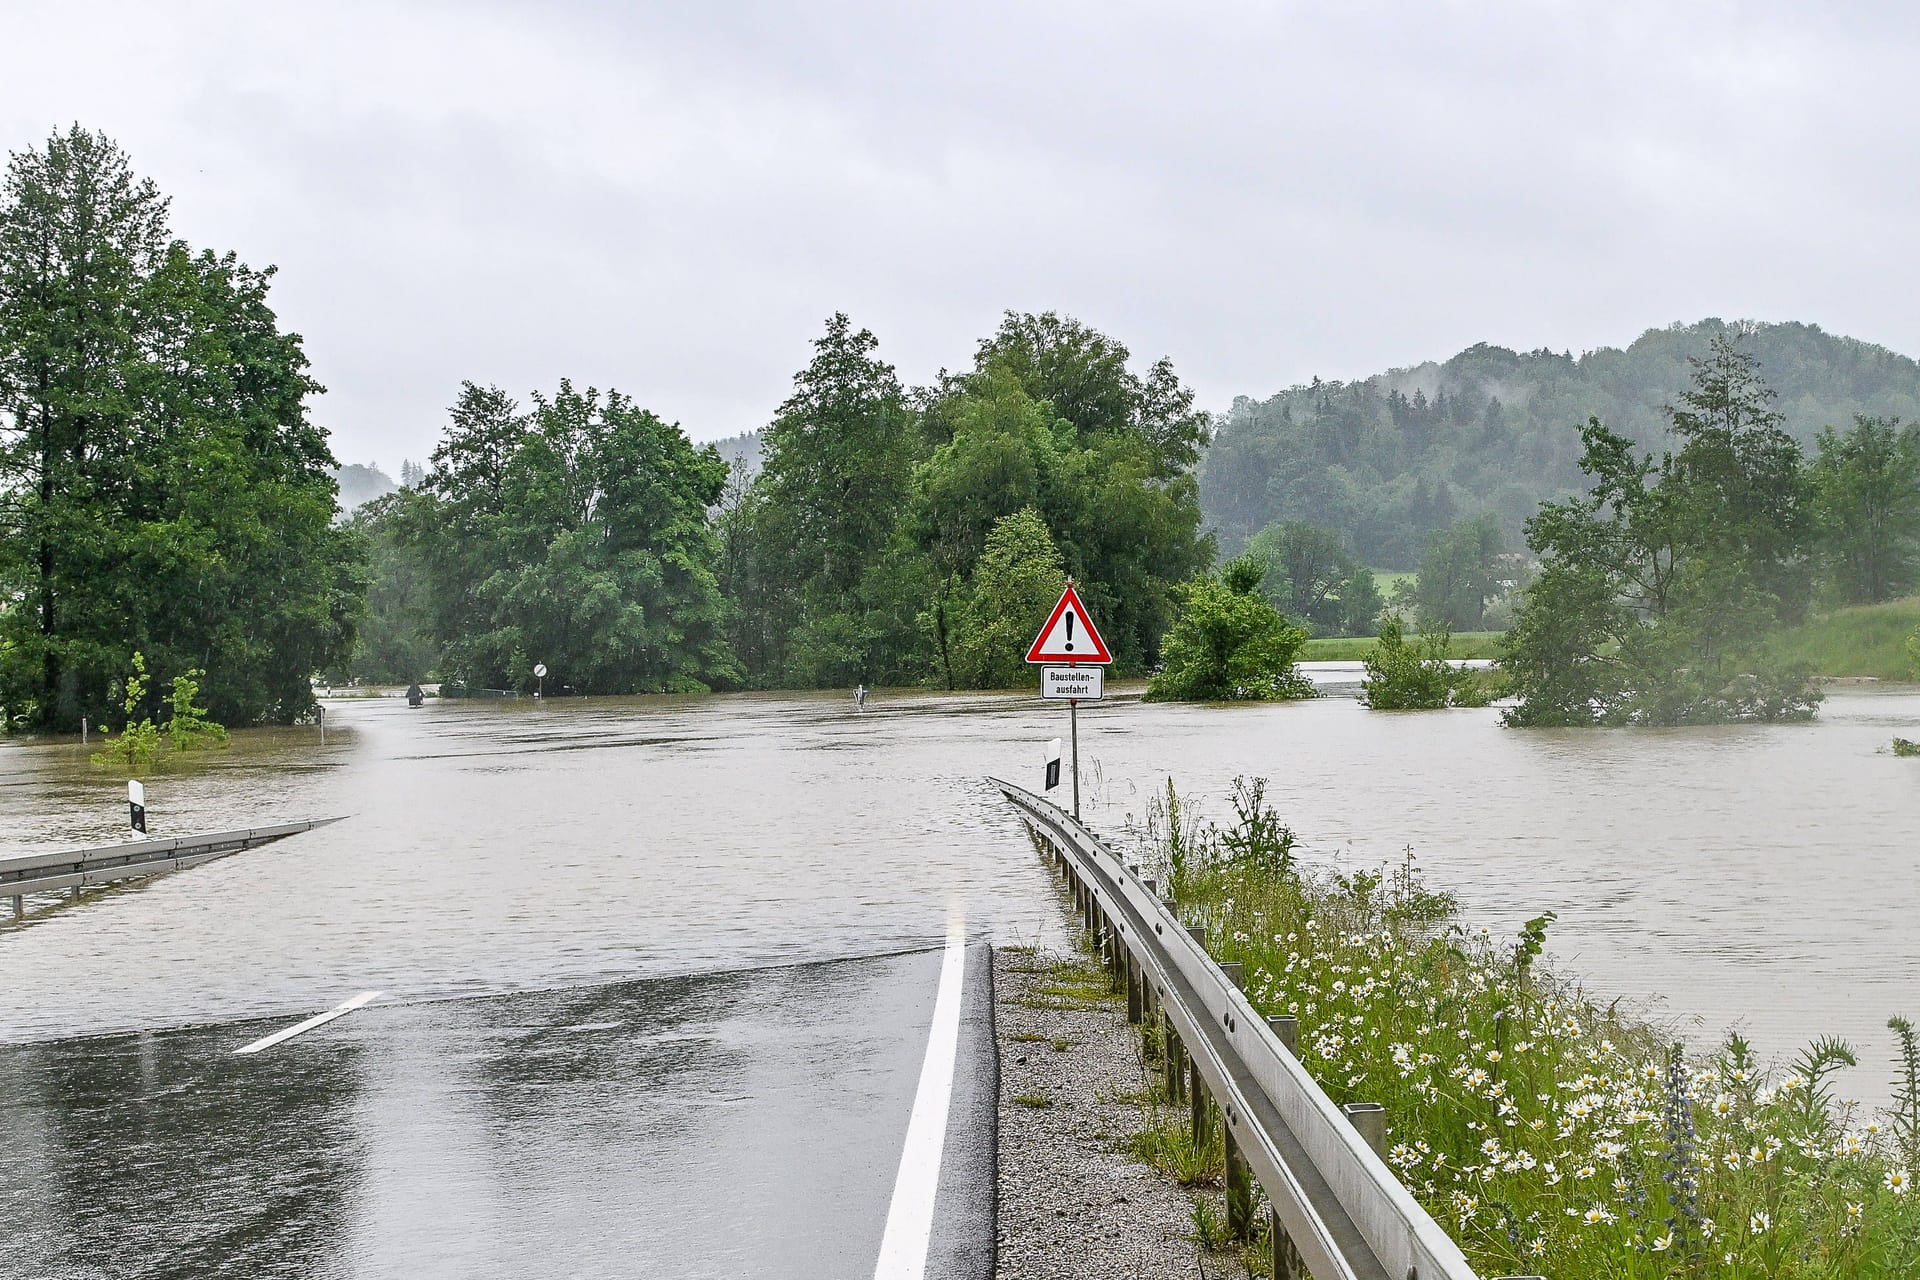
1868 640
1466 644
1551 1134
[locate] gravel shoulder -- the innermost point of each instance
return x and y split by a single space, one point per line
1073 1202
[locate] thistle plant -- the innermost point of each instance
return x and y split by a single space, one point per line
1257 838
1814 1097
1905 1114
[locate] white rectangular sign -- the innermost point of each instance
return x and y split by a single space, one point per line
1088 684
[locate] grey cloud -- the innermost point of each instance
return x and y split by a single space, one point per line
670 198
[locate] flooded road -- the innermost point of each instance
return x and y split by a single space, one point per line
557 899
532 1135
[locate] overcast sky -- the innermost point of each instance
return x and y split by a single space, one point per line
670 198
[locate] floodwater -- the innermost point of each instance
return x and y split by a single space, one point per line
1761 876
600 851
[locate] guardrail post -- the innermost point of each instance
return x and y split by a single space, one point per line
1236 974
1239 1188
1135 1000
19 907
1198 932
1286 1028
1370 1118
1176 1064
1287 1263
1197 1098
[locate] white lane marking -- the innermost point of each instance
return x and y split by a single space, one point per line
267 1042
903 1249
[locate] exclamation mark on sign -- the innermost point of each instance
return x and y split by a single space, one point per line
1069 631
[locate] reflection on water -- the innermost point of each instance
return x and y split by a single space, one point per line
1754 875
162 1156
694 1127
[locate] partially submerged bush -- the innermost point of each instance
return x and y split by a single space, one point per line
1228 643
139 740
1418 675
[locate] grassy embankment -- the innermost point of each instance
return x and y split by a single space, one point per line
1868 640
1466 644
1550 1134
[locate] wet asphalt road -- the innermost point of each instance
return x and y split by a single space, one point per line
716 1125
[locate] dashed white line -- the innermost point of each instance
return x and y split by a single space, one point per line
267 1042
903 1249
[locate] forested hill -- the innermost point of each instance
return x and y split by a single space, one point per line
362 484
1391 458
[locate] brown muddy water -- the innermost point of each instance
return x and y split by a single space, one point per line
1760 877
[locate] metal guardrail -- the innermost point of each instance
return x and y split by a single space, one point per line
1340 1207
78 868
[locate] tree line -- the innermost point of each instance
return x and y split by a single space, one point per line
891 535
165 493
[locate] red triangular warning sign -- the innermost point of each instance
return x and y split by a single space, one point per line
1068 636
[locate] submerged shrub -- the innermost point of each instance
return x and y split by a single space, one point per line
1228 643
1404 676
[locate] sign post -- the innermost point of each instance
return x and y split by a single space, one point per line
540 674
137 806
1073 658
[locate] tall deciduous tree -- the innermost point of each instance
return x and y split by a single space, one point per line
1314 577
162 484
1459 573
1866 487
834 478
1018 578
1051 416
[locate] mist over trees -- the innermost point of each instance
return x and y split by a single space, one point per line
1390 459
162 489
